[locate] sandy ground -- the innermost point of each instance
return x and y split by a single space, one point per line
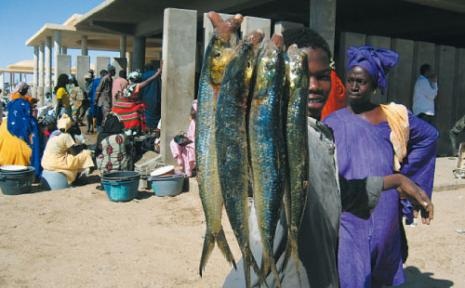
78 238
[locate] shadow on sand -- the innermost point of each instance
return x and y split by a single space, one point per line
419 279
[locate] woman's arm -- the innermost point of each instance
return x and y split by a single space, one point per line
150 79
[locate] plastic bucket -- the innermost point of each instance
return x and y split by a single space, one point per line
53 180
121 186
170 185
121 176
16 182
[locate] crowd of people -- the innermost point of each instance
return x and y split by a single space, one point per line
369 157
48 136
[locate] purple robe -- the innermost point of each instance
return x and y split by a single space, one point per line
370 249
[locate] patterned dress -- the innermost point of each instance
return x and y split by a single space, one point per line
114 156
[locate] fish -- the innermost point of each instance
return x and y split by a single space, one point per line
217 55
296 144
265 133
231 143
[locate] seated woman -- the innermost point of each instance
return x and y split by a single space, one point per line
129 106
19 134
61 153
112 147
183 147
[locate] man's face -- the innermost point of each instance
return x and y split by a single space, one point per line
319 80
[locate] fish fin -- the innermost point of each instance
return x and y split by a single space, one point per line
224 247
293 252
268 264
208 245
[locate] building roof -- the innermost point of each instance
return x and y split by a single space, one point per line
71 37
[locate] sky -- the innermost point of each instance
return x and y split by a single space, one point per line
21 19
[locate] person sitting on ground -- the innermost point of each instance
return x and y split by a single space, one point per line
129 107
112 147
183 147
63 155
19 134
63 104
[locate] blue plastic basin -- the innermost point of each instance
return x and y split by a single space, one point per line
167 185
121 187
17 182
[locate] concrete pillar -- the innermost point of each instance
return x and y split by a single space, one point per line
41 86
138 57
129 62
48 64
280 26
178 77
380 42
400 77
250 24
84 49
20 77
35 75
64 50
119 64
323 19
101 63
63 64
123 43
56 52
82 66
2 83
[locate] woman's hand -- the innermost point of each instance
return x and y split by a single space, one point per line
408 189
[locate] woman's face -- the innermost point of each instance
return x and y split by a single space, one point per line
359 85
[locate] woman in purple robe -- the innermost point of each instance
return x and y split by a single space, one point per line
370 253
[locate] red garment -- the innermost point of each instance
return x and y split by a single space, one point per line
131 111
337 96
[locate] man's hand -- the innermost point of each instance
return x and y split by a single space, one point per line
409 190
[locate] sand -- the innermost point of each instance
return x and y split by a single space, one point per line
78 238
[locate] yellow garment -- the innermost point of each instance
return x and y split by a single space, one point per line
397 118
13 151
56 157
62 95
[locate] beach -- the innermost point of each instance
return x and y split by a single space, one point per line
78 238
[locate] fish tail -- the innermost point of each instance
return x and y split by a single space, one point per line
224 247
293 251
268 264
209 244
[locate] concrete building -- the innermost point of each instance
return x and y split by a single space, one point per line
420 30
51 44
14 73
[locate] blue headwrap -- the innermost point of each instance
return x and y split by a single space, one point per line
376 62
22 125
